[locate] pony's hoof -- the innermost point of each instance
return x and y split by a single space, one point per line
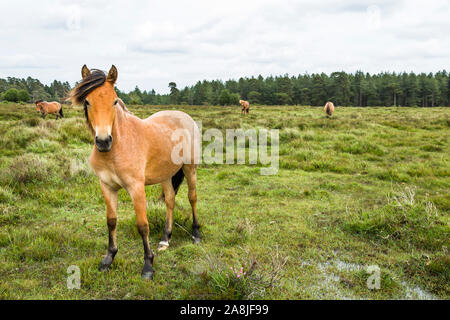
107 262
163 245
147 275
196 240
103 267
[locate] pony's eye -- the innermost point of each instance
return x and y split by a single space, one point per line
115 102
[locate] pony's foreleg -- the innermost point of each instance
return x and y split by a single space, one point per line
137 193
44 114
111 220
169 199
190 171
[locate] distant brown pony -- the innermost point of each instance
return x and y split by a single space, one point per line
45 108
130 153
245 106
329 108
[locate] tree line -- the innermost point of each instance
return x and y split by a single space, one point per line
344 89
29 90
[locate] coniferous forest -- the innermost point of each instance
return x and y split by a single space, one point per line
344 89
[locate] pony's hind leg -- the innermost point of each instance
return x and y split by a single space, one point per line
111 218
169 199
190 171
137 193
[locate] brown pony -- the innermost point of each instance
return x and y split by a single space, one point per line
245 106
130 153
45 108
329 108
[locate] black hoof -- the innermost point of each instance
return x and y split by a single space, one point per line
106 263
196 240
147 272
148 275
103 267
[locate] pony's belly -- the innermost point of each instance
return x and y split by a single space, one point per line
152 181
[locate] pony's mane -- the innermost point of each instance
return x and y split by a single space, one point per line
38 101
124 107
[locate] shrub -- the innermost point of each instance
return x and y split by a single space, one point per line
22 95
11 95
43 146
74 130
31 122
234 99
19 137
224 97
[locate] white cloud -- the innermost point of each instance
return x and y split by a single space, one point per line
153 43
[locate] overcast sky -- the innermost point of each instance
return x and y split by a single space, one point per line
155 42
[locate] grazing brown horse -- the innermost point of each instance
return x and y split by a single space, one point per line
329 108
130 153
45 108
245 106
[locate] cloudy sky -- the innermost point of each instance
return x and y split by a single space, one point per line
155 42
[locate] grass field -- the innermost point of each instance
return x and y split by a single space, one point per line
369 186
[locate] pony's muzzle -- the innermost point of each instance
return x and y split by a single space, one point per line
103 145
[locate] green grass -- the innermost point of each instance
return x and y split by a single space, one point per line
369 186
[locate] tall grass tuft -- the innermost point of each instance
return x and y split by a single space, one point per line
27 168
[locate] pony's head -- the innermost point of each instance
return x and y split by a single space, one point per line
96 93
38 105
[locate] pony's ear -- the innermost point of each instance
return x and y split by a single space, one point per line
85 72
112 75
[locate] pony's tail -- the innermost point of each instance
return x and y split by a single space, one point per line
177 179
61 113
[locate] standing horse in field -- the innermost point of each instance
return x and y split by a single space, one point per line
130 153
245 106
45 108
329 108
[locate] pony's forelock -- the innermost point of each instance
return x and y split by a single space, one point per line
91 82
